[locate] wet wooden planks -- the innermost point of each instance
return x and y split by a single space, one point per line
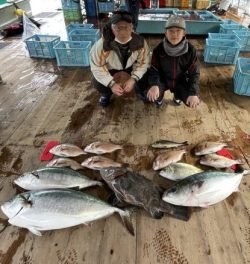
61 105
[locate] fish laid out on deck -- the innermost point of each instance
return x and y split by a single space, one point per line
135 189
64 162
47 178
168 144
203 189
208 147
178 171
218 161
58 208
99 162
67 150
99 147
166 158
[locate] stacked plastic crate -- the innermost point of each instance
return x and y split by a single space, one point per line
106 6
75 51
223 47
244 36
241 77
72 11
42 46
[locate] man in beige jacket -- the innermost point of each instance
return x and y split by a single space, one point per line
120 50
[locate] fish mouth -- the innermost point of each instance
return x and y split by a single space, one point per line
8 213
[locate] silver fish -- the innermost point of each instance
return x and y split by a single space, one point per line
64 162
47 178
208 147
67 150
218 161
135 189
203 189
168 144
179 171
166 158
99 162
99 147
58 208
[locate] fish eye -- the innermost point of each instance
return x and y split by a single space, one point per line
173 190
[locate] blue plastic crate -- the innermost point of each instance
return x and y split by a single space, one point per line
224 36
71 4
41 46
228 28
71 27
72 53
106 7
230 22
208 18
244 36
181 13
241 77
222 51
85 35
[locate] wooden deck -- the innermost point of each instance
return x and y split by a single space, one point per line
40 102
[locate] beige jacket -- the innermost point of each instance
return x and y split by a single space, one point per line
104 58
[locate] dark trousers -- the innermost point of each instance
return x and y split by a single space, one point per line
180 91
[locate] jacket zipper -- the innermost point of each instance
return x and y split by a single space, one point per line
174 72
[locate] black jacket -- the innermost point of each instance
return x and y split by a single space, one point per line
173 71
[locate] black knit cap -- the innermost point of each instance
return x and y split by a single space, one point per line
121 16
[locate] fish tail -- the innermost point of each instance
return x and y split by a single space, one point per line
127 221
179 212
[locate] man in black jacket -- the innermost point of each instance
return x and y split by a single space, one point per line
174 67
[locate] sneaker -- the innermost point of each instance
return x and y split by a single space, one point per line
177 101
104 101
159 103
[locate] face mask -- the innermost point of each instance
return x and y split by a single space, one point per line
117 40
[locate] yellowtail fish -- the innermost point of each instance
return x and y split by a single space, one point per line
178 171
58 208
203 189
48 178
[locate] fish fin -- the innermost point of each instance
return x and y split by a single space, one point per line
99 183
34 231
179 212
127 221
35 174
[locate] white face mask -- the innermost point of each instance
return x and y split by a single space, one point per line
117 40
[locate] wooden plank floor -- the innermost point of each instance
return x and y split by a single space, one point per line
40 102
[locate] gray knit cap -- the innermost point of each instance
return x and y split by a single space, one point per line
176 21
